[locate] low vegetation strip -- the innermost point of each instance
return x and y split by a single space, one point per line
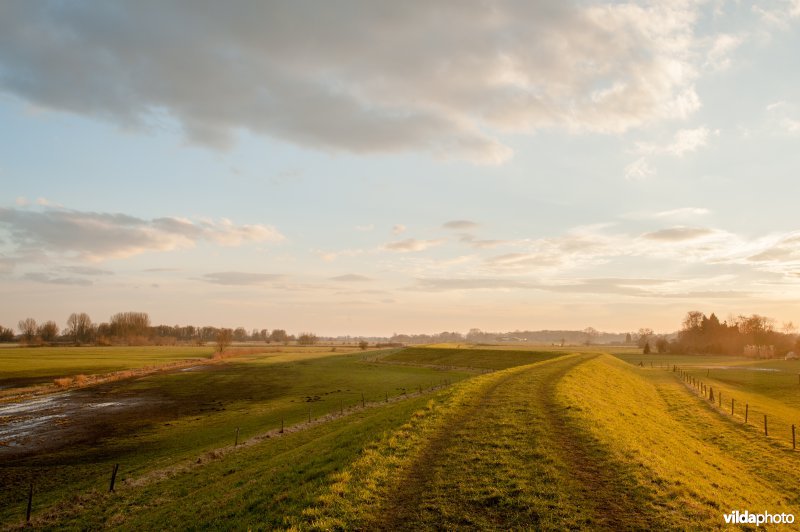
491 359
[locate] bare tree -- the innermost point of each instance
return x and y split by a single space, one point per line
6 335
278 335
48 331
223 340
28 329
129 324
79 326
307 338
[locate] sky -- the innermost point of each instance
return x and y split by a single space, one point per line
370 168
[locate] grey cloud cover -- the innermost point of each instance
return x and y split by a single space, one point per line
678 234
97 236
412 244
359 76
460 224
351 278
47 278
241 278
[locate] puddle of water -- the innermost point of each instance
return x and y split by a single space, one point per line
104 405
25 427
33 405
745 368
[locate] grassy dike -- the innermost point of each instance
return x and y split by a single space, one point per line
695 462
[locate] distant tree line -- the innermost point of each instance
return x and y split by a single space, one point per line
752 335
134 328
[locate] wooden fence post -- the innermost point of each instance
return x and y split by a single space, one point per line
236 443
732 406
746 411
766 433
30 504
794 440
281 425
387 397
720 399
113 478
362 399
309 414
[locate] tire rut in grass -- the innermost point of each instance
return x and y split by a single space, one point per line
606 488
402 507
552 475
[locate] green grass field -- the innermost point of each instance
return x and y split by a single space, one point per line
547 440
36 365
182 414
471 358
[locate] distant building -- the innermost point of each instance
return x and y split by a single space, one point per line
791 355
759 351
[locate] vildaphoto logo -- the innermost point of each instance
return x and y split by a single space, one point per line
764 518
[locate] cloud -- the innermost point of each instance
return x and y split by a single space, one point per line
639 170
7 264
365 228
460 225
351 278
718 55
684 141
51 279
443 285
682 212
412 244
98 236
481 243
398 229
47 203
240 278
86 270
679 234
448 79
778 15
22 201
629 287
782 117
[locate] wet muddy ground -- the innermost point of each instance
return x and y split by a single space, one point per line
48 422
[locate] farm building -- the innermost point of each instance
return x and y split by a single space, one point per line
791 355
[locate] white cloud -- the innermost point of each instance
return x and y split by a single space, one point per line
639 170
448 79
22 201
365 228
412 244
44 202
97 236
684 141
398 229
682 212
718 56
778 14
781 117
